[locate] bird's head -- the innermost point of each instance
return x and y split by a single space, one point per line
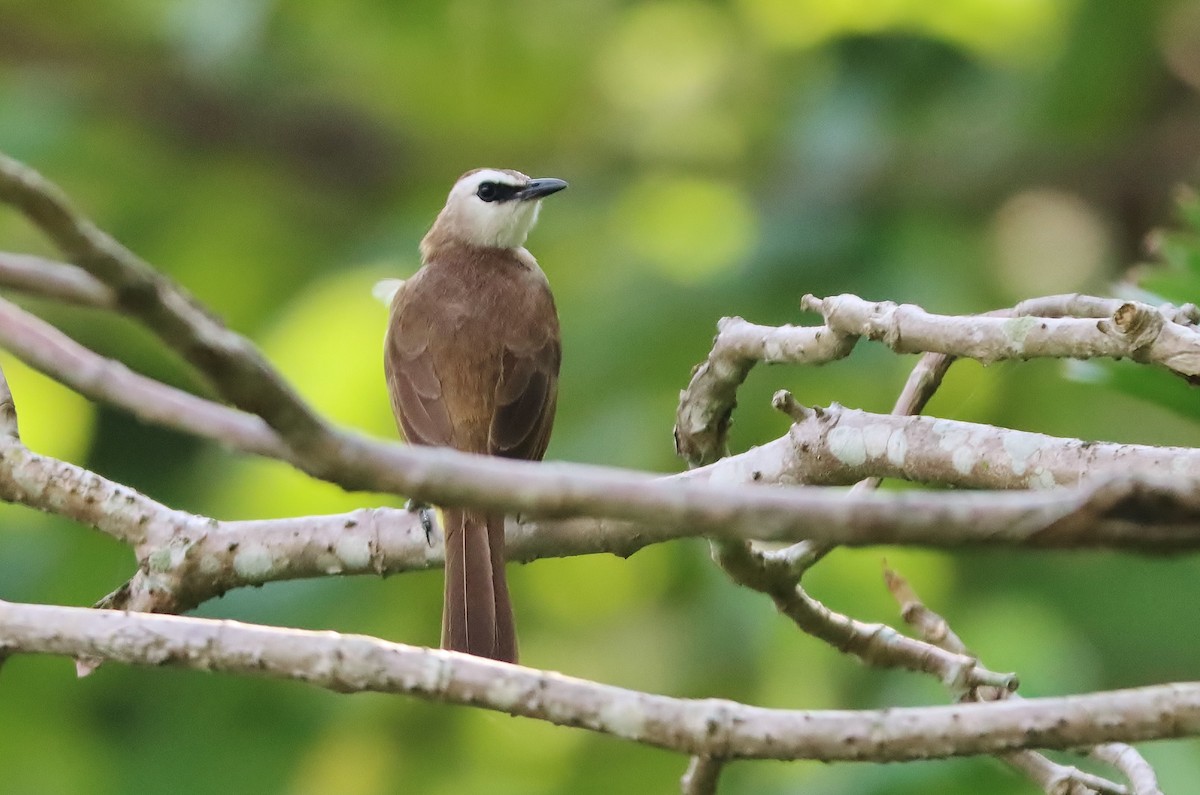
491 208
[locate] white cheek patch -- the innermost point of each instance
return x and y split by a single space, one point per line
499 224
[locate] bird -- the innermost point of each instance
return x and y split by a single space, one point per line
471 359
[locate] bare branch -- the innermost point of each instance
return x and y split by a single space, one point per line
1052 777
1132 764
924 380
1136 331
709 727
1055 779
1080 305
702 420
1123 512
701 776
186 559
1058 326
64 489
849 444
234 366
844 445
876 644
56 280
48 350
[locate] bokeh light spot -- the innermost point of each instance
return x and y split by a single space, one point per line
53 420
328 343
1047 241
1179 37
350 759
318 343
688 227
1000 29
665 56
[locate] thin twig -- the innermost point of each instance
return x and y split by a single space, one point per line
701 776
1049 775
59 281
48 350
876 644
1132 765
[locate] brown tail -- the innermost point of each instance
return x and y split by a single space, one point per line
476 613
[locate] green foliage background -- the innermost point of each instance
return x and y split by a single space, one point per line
278 158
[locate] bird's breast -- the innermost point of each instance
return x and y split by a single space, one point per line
464 317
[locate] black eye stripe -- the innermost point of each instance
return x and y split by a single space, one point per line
496 191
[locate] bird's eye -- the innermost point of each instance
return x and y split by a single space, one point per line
487 191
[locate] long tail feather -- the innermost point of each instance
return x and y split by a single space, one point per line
476 613
506 630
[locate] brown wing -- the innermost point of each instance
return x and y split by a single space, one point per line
413 384
472 355
526 397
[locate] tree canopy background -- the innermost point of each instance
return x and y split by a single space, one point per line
278 158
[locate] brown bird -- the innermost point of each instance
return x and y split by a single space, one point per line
471 358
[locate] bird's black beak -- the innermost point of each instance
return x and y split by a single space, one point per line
539 188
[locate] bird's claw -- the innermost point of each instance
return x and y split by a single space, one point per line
425 515
427 523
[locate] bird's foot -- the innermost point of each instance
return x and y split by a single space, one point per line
425 515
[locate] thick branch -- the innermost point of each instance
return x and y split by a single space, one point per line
195 558
186 559
701 776
706 406
1136 331
1094 327
839 446
714 727
1123 512
832 447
